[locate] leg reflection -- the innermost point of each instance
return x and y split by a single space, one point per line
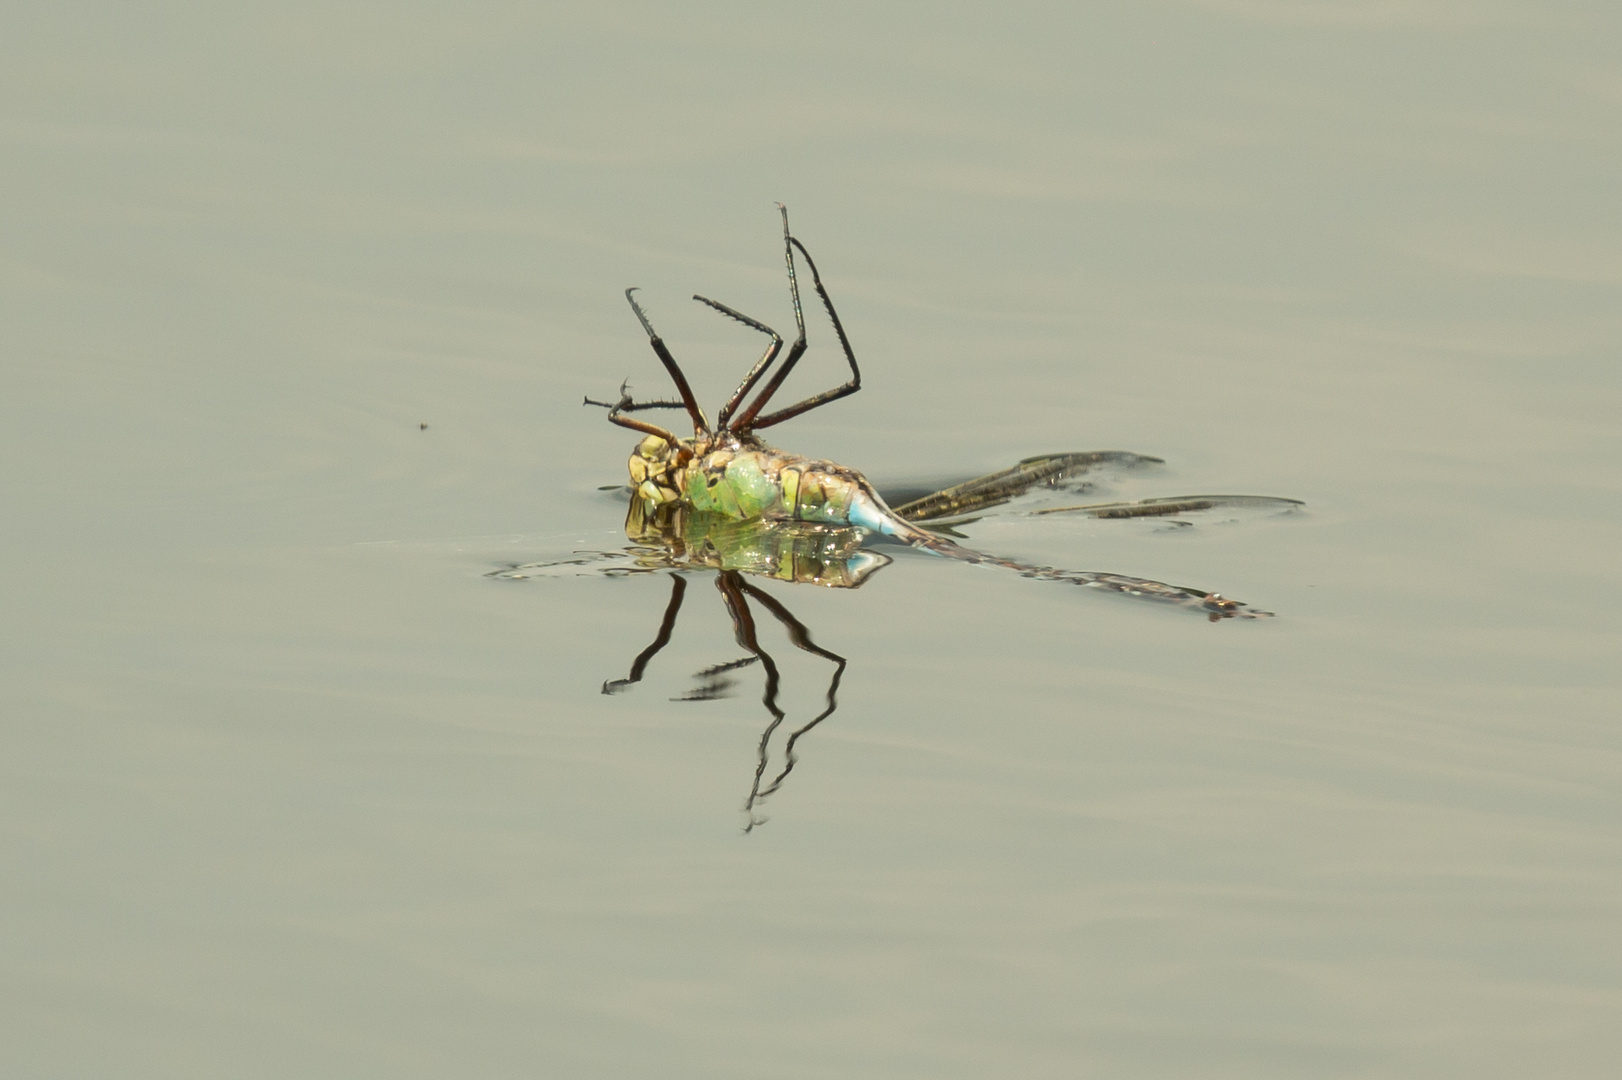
734 589
678 589
715 681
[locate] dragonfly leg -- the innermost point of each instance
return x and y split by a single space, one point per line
751 418
678 589
701 426
749 380
625 405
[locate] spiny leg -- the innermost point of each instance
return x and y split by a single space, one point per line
755 372
749 420
797 350
625 404
678 589
844 390
701 426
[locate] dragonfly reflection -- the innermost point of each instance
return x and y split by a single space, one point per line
674 541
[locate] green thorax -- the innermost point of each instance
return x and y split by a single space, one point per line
743 479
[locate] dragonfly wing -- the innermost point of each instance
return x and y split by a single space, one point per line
1045 471
1177 505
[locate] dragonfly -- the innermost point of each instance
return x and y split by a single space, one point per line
724 499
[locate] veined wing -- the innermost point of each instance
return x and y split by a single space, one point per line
1176 504
1035 482
1037 486
1045 471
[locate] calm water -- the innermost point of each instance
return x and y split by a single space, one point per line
293 789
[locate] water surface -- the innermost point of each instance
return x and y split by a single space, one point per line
293 787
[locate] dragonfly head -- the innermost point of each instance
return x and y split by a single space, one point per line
657 466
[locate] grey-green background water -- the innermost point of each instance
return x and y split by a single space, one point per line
291 789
